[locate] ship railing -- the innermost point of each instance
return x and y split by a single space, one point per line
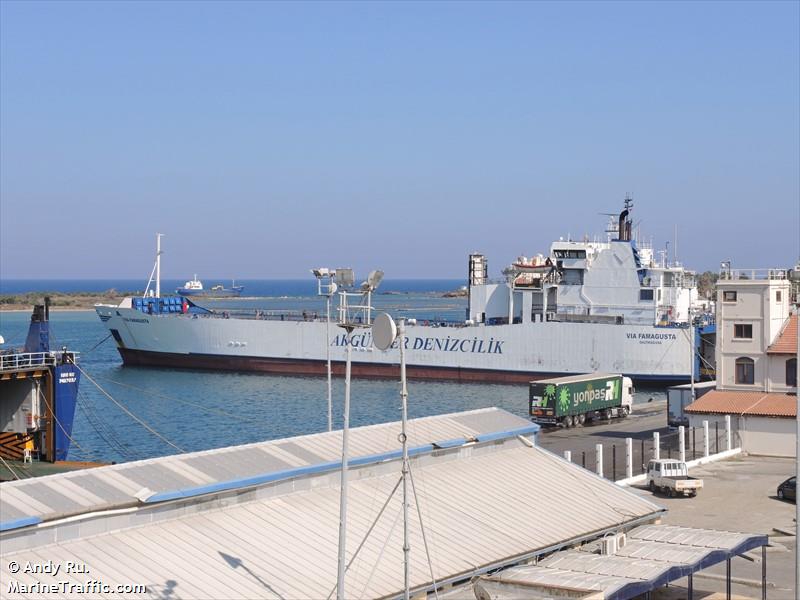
25 361
757 274
263 315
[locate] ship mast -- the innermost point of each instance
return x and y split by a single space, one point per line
158 265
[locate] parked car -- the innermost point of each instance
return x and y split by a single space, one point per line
788 490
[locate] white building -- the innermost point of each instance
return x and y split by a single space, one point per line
756 362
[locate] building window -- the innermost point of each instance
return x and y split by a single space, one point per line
742 331
745 370
778 296
729 296
645 295
791 372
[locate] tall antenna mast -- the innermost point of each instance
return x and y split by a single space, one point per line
158 264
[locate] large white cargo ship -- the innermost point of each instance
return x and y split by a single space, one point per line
603 305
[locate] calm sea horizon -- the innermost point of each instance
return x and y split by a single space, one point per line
252 287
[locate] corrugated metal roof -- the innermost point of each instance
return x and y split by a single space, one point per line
117 485
733 402
483 505
652 556
786 342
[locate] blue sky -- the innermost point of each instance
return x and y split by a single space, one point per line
267 138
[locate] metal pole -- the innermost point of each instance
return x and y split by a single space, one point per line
328 355
706 449
716 437
763 573
691 587
682 443
797 459
340 595
567 455
401 335
728 578
694 360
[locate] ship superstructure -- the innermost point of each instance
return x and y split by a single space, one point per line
38 395
588 306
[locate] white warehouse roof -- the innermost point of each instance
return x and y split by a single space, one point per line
484 504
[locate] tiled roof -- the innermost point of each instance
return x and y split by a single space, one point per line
745 403
787 338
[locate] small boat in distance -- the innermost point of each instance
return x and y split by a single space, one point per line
194 287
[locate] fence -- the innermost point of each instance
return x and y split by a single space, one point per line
615 456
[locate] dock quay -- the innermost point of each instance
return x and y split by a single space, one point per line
260 521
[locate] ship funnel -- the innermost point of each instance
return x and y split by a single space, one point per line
38 339
625 226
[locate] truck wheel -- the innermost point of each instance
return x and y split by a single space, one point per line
581 419
652 486
570 421
693 494
671 492
626 410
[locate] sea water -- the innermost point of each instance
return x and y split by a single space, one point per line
186 410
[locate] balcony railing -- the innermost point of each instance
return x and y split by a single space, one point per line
26 361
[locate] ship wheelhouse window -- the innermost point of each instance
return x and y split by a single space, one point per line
791 372
745 370
742 331
645 295
580 254
778 296
729 296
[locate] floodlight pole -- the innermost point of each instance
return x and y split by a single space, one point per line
340 595
401 339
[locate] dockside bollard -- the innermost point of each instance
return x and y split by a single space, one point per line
705 439
629 458
728 433
568 455
598 450
682 443
656 446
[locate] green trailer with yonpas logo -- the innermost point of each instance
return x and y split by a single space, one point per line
573 400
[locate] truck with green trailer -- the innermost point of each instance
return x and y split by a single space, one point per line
571 401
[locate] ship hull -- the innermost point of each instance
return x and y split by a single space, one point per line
498 353
223 293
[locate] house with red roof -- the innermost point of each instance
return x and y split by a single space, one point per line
756 359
